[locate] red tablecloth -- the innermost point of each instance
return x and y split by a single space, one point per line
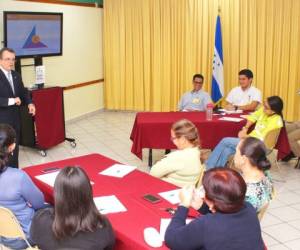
152 130
129 190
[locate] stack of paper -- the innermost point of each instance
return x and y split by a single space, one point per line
109 204
171 196
118 170
230 119
244 116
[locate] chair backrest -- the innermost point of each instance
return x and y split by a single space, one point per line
273 194
271 138
9 226
199 181
262 211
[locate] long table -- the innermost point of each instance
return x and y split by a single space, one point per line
129 225
152 130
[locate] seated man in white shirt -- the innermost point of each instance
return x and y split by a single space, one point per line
244 97
197 99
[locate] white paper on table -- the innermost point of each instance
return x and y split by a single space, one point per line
48 178
239 111
164 223
231 119
244 116
118 170
109 204
171 196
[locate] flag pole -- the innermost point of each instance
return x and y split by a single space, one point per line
219 13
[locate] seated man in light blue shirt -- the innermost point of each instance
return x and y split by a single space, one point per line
197 99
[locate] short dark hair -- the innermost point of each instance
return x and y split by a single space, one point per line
7 138
225 188
74 207
198 76
256 151
6 49
246 72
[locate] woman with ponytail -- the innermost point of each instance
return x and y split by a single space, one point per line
250 158
266 118
183 166
17 191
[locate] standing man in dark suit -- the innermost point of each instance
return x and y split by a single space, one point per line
12 96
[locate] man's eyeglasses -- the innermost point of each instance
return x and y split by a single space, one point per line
9 59
198 82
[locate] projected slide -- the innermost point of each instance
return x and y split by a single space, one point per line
34 34
33 41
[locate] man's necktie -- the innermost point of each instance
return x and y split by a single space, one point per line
10 79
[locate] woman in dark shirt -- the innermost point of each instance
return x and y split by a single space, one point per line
75 221
231 225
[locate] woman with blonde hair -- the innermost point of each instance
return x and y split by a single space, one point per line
183 166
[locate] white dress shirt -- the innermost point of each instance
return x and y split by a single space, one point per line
11 101
239 97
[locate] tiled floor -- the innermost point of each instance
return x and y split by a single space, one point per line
108 133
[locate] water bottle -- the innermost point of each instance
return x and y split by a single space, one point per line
209 111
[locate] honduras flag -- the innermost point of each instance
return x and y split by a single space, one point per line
217 89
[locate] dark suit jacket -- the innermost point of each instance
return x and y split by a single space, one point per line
11 114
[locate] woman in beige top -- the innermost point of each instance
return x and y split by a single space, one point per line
183 166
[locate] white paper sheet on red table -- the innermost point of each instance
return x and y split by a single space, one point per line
118 170
109 204
231 119
164 223
244 116
232 111
171 196
49 178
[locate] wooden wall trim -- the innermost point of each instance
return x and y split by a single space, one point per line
83 84
63 3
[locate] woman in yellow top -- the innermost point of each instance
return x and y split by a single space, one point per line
266 119
183 166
